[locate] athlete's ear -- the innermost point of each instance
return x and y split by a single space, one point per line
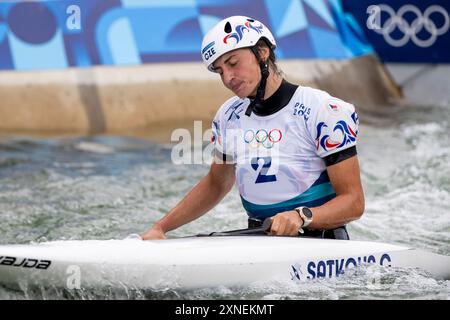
264 53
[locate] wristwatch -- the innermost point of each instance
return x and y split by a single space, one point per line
306 215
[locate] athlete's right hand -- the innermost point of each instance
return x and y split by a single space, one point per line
154 233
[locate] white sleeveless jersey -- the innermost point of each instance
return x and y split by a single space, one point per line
279 157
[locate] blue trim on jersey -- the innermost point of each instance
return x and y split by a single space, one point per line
323 178
319 193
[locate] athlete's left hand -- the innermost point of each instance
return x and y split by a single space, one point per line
286 224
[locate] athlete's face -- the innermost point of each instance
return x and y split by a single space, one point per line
239 71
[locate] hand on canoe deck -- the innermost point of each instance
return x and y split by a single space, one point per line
154 233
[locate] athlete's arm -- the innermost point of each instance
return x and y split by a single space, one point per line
203 197
348 205
349 202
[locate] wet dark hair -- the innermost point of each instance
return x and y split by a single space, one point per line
262 43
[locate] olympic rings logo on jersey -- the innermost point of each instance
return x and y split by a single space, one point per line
410 31
263 138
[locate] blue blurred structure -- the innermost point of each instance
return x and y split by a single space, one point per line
413 31
79 33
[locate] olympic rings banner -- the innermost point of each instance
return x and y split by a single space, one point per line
416 31
57 34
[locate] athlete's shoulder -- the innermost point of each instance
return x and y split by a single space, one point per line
312 97
321 101
332 122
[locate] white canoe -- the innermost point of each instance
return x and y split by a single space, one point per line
196 262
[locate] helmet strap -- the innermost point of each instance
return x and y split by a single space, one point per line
259 99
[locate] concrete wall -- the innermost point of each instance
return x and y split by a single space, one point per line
423 84
118 99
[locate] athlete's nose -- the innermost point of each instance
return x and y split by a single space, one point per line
227 77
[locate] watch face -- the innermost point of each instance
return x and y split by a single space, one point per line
307 212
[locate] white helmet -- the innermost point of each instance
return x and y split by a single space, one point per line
233 33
